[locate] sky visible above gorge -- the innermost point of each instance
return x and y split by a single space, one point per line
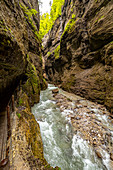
45 7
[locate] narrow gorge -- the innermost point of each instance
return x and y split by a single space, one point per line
68 125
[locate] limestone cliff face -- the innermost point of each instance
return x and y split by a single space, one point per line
20 48
83 62
21 74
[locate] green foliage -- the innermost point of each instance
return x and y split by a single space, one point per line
45 24
47 20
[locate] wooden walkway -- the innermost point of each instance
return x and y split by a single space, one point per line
3 141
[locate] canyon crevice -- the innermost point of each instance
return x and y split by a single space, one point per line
79 48
21 81
77 55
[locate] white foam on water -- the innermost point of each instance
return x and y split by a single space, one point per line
50 145
43 104
60 148
51 87
95 110
67 112
48 111
106 159
103 118
83 151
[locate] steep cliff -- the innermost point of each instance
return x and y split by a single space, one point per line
20 46
21 75
79 50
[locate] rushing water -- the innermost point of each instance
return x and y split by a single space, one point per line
61 147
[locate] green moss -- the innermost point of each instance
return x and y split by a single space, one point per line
99 19
28 15
19 115
40 58
28 12
5 28
47 166
57 52
48 54
20 102
70 25
32 85
73 16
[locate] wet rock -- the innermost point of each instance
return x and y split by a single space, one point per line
98 152
94 143
72 116
55 91
94 33
45 76
89 126
58 104
54 95
4 162
111 156
78 118
79 106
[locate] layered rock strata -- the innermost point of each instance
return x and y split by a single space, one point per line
90 121
20 46
21 75
79 50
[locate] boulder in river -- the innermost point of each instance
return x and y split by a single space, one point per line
55 91
98 153
111 156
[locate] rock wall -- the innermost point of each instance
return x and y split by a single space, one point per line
20 47
21 75
83 62
25 143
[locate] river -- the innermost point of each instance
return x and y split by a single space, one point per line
62 147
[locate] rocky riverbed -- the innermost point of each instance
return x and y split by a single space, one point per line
91 121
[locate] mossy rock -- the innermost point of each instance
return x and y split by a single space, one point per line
32 85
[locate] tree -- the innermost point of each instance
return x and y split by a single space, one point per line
47 20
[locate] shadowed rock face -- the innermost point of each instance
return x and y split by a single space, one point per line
84 64
21 64
19 45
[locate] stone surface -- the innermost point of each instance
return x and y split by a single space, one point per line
55 91
88 122
21 75
98 153
20 44
111 156
84 63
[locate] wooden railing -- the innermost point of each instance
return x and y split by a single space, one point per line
5 133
